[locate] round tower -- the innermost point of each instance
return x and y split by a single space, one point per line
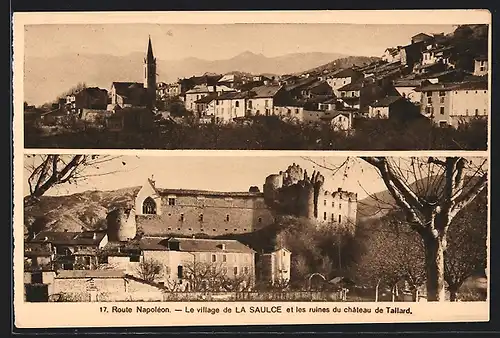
273 183
306 201
121 225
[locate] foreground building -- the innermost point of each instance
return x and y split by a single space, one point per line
455 103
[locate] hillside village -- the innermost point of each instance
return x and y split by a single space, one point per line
435 77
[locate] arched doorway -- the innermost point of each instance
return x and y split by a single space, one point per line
149 206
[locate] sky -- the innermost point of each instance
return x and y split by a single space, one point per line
216 42
218 173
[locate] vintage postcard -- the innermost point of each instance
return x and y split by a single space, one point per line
377 212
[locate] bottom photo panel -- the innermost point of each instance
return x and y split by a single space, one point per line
345 234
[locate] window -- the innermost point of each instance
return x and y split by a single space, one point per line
340 218
466 112
182 217
442 93
443 124
224 258
246 270
214 230
324 202
190 229
169 228
324 216
289 111
201 217
135 258
429 100
266 103
214 258
259 220
227 218
441 100
477 112
441 110
333 204
179 272
216 102
340 206
296 111
235 270
237 104
250 104
171 201
428 94
149 206
333 217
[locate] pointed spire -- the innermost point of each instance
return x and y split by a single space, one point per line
150 56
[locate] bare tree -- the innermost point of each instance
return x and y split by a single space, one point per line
450 185
48 171
466 251
149 269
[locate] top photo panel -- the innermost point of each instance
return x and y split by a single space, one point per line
255 86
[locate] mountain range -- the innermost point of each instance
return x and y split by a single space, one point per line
46 78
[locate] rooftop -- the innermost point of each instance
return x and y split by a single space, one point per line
69 238
348 72
386 101
471 85
210 245
209 193
266 91
352 86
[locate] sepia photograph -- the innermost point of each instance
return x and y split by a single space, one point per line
256 86
103 228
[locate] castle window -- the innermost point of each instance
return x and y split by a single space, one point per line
149 206
225 229
245 229
237 104
477 112
171 201
324 216
182 217
214 258
201 217
333 217
324 203
333 204
227 218
340 206
214 230
259 220
179 272
235 270
224 258
190 229
340 218
169 228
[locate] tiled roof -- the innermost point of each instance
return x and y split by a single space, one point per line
125 88
37 250
266 91
472 85
481 58
210 245
408 82
386 101
153 243
351 86
67 274
69 238
207 99
349 72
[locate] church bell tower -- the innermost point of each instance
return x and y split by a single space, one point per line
150 76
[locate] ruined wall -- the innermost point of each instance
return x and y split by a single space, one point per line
121 225
210 215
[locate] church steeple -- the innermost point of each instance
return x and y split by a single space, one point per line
150 75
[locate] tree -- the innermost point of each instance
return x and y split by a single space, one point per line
391 255
213 276
465 254
451 184
149 269
48 171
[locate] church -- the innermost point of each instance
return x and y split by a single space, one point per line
137 94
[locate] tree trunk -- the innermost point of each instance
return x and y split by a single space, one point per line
434 261
453 294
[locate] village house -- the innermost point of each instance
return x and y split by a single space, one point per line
167 90
421 37
391 54
407 88
71 250
481 66
339 120
201 91
342 78
359 94
274 266
393 107
181 257
87 98
127 94
455 103
290 112
263 99
228 106
129 119
202 105
436 54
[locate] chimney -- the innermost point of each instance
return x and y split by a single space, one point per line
94 236
339 189
223 246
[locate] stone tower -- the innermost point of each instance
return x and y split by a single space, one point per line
150 76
